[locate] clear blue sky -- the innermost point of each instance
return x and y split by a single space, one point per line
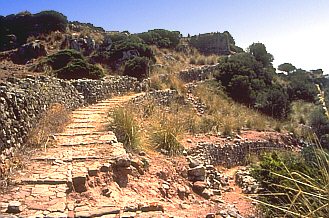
295 31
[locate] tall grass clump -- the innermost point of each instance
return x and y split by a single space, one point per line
126 128
296 184
226 116
166 135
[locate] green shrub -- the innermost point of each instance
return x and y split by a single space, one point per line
161 38
62 58
47 21
78 69
113 58
126 128
70 64
137 67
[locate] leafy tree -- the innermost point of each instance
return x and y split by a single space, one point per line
286 67
258 50
240 89
274 102
301 86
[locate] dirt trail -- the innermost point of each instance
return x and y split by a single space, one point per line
43 186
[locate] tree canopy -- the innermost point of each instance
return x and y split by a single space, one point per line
286 67
258 50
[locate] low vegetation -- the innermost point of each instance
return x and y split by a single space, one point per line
137 67
126 128
224 115
161 38
296 184
52 121
70 64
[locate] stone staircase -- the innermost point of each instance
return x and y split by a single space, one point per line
82 150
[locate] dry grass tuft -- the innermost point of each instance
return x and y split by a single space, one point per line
226 116
126 128
52 121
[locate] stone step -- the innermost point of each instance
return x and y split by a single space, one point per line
42 182
86 143
84 113
81 127
70 159
85 133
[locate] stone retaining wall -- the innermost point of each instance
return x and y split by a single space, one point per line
231 155
22 102
197 74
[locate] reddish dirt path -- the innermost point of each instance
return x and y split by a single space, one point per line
236 197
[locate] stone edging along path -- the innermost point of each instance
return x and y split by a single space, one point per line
82 150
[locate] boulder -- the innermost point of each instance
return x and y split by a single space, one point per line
30 51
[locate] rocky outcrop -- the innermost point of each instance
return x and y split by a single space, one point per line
23 101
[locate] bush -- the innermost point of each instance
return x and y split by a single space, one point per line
47 21
301 87
62 58
78 69
114 58
274 102
161 38
319 122
137 67
126 128
70 64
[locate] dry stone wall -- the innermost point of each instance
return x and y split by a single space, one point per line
236 154
23 101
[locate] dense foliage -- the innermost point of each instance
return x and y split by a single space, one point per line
258 50
70 64
16 28
161 38
301 86
286 67
137 67
248 82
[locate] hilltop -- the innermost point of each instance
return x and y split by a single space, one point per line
189 142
